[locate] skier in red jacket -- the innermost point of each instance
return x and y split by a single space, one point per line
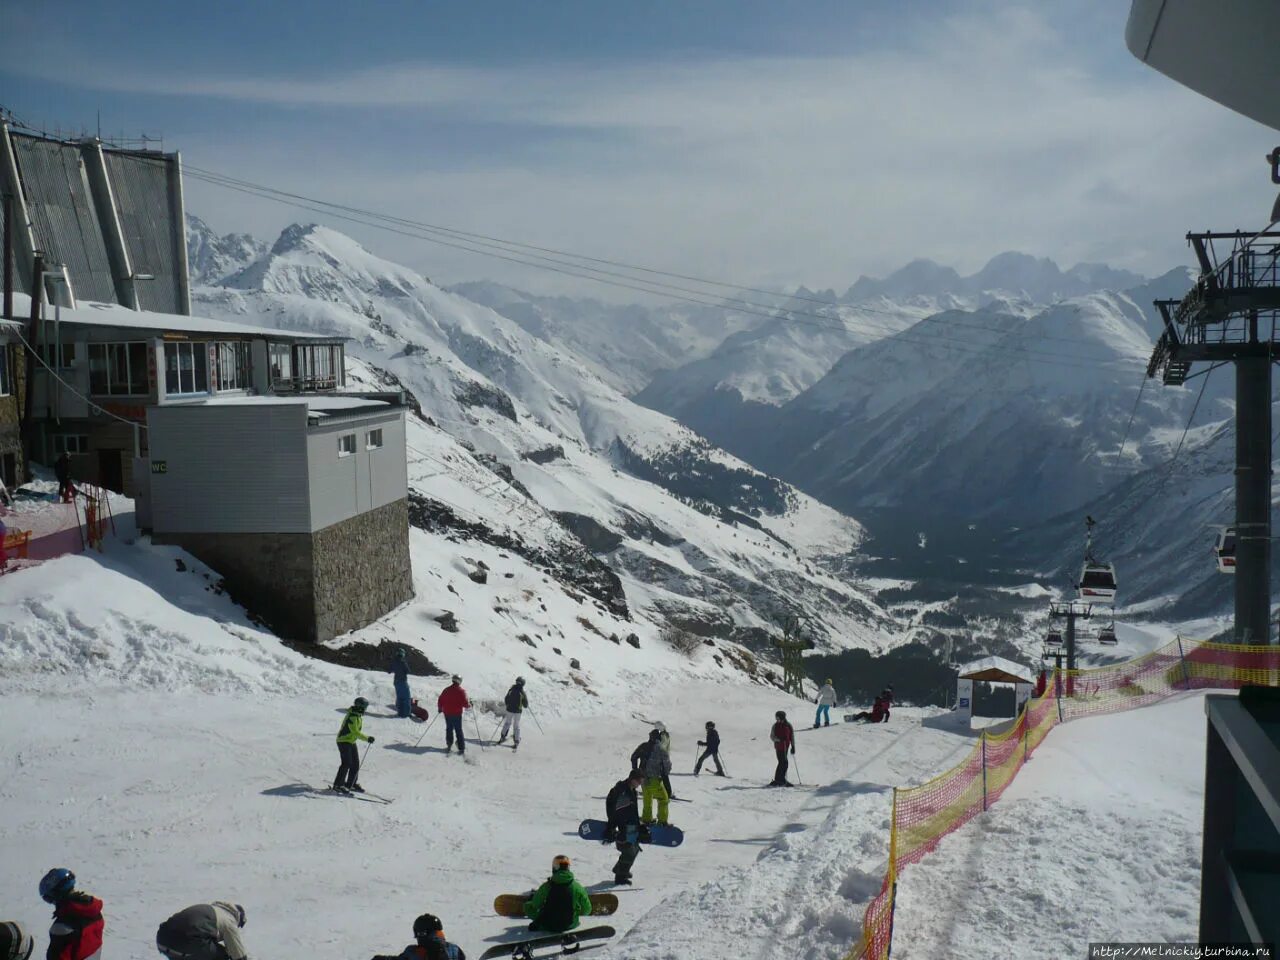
452 701
784 739
76 933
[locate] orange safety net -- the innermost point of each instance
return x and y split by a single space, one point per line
924 814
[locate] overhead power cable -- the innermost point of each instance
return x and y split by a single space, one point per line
655 288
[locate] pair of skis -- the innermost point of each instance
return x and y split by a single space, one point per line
353 795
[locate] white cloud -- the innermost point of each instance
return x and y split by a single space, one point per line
983 133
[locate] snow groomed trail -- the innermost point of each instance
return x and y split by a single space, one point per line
170 752
924 815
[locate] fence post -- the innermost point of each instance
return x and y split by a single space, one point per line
893 871
984 770
1186 681
1057 691
1026 737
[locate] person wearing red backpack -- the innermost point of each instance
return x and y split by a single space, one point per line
76 933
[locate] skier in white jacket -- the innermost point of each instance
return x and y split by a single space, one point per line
206 931
826 700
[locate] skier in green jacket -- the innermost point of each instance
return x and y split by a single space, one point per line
559 904
351 731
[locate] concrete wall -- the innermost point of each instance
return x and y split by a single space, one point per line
270 574
361 568
313 587
10 419
342 487
229 468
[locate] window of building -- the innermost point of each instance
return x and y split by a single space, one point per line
233 365
319 366
186 368
118 369
373 439
49 354
346 444
69 443
280 356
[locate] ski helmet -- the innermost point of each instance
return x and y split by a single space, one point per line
560 862
240 918
15 942
520 681
360 705
456 679
781 715
401 653
426 926
829 681
57 884
660 727
655 734
711 725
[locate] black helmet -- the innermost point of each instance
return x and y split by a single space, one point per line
655 734
455 679
360 705
15 942
426 926
520 681
635 775
781 714
710 725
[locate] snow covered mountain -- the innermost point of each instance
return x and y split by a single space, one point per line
212 258
520 444
780 358
624 345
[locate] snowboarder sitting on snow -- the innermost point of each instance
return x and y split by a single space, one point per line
712 751
451 702
652 761
431 944
879 711
515 702
559 904
206 931
76 933
784 738
351 731
15 942
400 670
826 700
622 815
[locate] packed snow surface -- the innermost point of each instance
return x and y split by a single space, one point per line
1097 839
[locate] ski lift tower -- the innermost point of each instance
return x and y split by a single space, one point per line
791 647
1230 316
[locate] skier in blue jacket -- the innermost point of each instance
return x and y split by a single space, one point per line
400 670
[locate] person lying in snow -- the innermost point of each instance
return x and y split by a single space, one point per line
879 711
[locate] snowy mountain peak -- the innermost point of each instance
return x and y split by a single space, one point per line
213 258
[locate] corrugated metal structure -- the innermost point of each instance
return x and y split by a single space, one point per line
113 217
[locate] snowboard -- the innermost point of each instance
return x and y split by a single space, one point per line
566 941
663 836
512 904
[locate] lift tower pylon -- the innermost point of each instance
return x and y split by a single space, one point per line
1230 316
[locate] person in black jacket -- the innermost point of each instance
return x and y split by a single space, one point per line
516 702
712 744
622 810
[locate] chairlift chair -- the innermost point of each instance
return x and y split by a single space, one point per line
1226 550
1107 636
1053 638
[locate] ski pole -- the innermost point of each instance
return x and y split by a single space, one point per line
496 727
476 720
535 720
429 726
365 754
795 764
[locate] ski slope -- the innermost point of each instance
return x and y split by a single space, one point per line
165 748
1098 838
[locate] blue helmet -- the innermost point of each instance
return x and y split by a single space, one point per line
57 885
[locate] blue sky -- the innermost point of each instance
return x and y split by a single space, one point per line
754 141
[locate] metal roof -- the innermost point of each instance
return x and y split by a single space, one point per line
995 670
113 315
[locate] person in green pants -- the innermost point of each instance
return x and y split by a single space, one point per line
560 903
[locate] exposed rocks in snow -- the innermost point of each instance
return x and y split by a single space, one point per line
448 621
368 656
597 537
475 394
545 455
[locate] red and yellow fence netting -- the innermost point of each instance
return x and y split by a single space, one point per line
924 814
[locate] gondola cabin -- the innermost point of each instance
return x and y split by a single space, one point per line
1097 582
1226 550
1053 638
1107 636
